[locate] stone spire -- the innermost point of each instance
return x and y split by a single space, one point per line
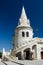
23 14
23 21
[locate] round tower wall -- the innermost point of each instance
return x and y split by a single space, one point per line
23 36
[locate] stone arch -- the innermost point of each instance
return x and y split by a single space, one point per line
41 54
33 46
27 54
27 34
18 55
23 34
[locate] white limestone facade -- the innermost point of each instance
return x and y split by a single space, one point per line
25 46
23 28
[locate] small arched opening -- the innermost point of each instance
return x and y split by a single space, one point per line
19 55
27 54
23 34
41 54
27 34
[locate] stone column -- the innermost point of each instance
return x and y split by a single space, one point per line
22 55
38 52
30 53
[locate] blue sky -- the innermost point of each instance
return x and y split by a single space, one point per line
10 11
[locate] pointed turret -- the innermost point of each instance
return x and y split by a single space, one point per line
23 14
23 21
23 32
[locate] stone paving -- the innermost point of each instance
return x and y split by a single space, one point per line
23 62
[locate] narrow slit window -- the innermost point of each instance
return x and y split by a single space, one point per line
23 34
27 34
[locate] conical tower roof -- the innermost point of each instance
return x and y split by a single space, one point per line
23 14
23 21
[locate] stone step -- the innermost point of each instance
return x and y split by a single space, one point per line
23 62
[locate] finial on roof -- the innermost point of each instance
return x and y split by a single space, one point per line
23 14
23 19
23 9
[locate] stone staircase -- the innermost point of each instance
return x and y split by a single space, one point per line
23 62
9 57
14 61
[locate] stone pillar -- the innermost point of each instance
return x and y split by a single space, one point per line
30 53
33 55
38 52
22 55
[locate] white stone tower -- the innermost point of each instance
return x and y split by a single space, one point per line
23 32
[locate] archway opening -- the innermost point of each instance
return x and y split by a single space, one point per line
27 54
19 55
42 55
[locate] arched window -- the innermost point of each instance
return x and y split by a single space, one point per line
23 34
27 34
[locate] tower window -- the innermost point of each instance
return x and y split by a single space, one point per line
27 34
23 34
